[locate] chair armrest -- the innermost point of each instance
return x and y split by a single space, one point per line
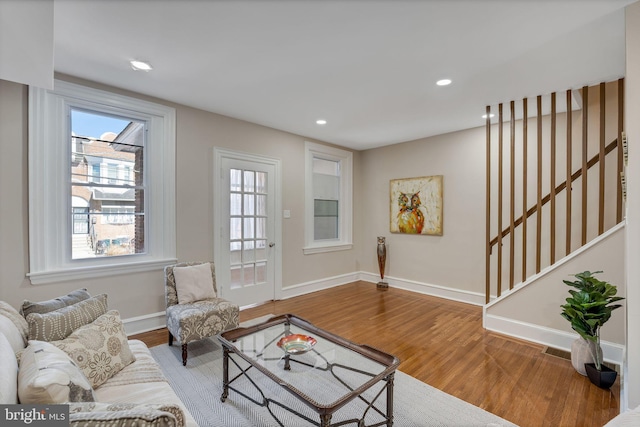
98 414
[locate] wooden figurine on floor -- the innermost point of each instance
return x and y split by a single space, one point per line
382 258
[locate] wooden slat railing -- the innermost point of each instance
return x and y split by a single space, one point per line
539 185
552 195
544 200
569 151
547 242
512 190
487 274
620 154
523 218
585 148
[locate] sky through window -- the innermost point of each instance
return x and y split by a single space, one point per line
95 125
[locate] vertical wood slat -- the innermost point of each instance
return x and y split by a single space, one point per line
512 204
488 209
539 179
601 163
569 186
500 177
620 153
552 195
585 130
525 208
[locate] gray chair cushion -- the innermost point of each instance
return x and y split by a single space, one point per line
201 319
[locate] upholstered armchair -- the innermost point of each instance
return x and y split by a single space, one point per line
194 310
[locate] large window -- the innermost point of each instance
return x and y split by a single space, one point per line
105 149
102 183
328 193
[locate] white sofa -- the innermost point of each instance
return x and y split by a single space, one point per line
138 394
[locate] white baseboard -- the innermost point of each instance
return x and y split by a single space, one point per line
317 285
145 323
460 295
562 340
150 322
468 297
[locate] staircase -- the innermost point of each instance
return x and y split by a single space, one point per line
555 198
554 184
80 247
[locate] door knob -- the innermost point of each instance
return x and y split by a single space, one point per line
271 245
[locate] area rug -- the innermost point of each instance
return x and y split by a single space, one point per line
199 386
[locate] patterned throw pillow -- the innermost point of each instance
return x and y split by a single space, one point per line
100 348
48 375
57 325
125 414
71 298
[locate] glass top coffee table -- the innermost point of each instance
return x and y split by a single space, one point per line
322 370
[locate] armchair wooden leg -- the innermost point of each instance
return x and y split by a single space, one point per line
184 355
170 339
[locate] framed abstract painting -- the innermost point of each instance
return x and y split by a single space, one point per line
416 205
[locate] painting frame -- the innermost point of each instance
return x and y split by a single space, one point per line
416 205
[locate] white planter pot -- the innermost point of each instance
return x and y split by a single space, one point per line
581 354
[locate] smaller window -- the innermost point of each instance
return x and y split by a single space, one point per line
112 173
328 193
325 219
95 173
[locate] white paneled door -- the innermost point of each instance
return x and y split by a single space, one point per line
246 247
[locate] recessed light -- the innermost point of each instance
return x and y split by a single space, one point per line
484 116
443 82
321 122
140 66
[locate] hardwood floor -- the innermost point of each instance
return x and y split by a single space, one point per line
442 343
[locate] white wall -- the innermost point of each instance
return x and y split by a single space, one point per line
142 294
632 124
454 260
26 42
532 311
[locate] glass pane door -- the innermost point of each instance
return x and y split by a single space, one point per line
248 201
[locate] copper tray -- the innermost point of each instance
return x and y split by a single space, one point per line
296 343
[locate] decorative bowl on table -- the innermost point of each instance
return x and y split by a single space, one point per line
296 343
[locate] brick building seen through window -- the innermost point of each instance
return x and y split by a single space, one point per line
107 189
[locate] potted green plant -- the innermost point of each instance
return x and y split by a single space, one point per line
587 309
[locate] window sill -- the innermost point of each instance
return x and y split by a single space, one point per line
309 250
94 271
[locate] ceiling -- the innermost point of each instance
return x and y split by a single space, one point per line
367 67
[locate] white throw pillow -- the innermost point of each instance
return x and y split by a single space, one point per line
48 375
194 283
12 334
8 373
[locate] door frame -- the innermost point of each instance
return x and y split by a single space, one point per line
219 154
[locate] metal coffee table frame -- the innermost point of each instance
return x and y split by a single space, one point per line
388 363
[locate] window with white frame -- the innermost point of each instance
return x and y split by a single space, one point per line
102 183
104 149
328 198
